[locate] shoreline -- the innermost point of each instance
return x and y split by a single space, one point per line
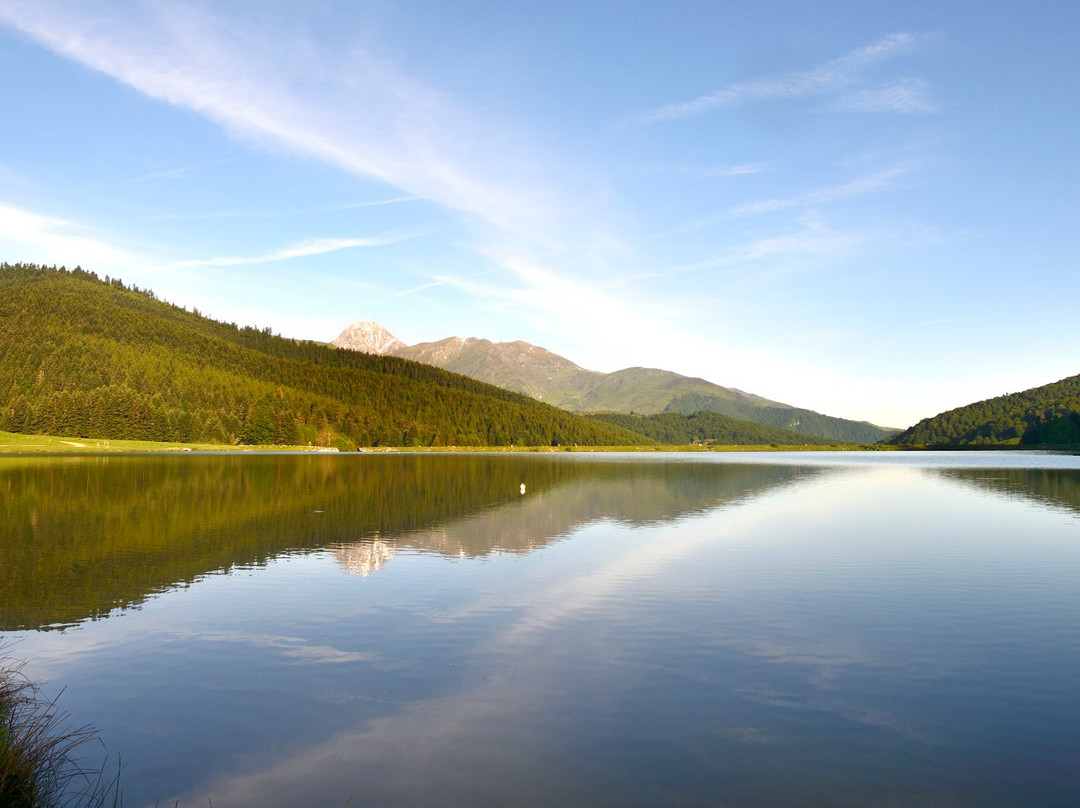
17 444
13 443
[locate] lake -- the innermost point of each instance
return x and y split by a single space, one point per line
744 629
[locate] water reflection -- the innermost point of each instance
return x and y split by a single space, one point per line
1055 487
843 641
364 557
84 536
646 632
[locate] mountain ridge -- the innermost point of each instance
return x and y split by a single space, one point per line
536 372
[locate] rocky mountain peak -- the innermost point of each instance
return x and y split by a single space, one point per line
369 337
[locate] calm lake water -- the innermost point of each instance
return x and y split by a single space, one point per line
632 630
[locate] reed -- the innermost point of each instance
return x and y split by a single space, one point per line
39 763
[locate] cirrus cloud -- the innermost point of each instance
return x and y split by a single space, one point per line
832 78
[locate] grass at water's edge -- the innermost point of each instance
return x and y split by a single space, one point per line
39 767
49 444
15 443
12 442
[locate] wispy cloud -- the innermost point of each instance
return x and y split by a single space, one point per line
378 202
583 313
269 214
880 180
813 239
181 172
833 77
733 171
207 215
860 186
304 249
910 96
358 112
33 237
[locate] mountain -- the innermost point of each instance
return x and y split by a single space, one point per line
540 374
1047 415
518 366
370 338
85 357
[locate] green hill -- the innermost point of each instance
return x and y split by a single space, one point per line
92 358
805 422
1043 416
651 390
708 427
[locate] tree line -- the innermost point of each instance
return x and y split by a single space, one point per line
1047 415
706 427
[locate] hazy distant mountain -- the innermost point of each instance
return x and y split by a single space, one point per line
536 372
1047 415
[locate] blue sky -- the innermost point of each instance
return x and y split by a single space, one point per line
869 209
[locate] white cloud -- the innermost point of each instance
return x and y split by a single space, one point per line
357 112
35 238
585 314
303 249
832 77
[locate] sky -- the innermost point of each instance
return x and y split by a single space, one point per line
868 209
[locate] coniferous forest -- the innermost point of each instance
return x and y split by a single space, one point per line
1042 416
806 423
89 357
707 427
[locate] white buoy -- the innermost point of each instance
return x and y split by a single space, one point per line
523 488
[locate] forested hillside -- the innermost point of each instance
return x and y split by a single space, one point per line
806 422
708 427
87 357
1047 415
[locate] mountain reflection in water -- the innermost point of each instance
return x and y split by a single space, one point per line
1055 487
82 536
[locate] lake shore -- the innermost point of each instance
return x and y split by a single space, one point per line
12 443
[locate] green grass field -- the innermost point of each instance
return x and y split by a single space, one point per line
11 442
